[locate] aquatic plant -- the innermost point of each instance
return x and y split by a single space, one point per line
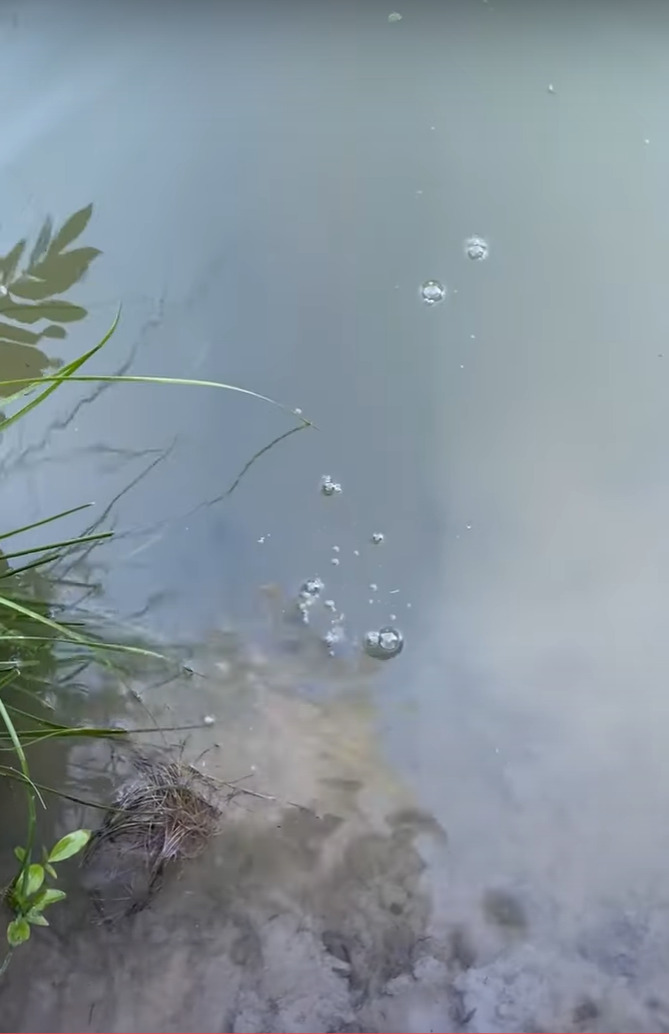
162 815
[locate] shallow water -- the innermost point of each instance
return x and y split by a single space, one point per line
481 835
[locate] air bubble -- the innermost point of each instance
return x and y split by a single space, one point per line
328 486
432 292
394 16
311 589
209 719
477 249
333 637
378 537
384 644
335 561
330 605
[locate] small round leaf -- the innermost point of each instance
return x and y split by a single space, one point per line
35 879
18 931
69 845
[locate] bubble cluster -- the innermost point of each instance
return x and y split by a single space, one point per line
432 292
312 588
309 592
333 637
477 249
384 644
328 486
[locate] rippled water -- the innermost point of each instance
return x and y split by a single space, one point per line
473 833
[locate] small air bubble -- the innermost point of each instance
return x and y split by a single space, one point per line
378 537
330 605
477 249
384 644
297 411
335 549
209 719
373 586
468 527
335 561
432 292
356 552
551 88
328 486
394 16
311 589
333 637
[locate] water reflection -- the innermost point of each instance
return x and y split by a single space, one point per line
29 286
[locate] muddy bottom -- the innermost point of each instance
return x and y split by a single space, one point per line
312 908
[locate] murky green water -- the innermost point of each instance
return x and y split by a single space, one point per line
472 835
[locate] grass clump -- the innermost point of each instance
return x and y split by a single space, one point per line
166 812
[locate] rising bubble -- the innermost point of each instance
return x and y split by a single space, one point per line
477 249
432 292
384 644
328 486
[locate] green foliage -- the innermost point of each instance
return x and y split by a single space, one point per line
28 896
69 845
30 629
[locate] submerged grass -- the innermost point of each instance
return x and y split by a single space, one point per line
165 814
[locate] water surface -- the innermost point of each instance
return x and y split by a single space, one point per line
272 184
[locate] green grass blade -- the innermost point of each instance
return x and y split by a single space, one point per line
23 762
65 373
130 379
59 545
73 637
47 520
29 567
94 644
14 774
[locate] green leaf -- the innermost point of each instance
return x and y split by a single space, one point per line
69 845
9 263
35 918
18 931
54 309
71 229
35 879
51 871
42 242
20 853
48 897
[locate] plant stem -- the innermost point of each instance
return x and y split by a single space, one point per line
32 811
